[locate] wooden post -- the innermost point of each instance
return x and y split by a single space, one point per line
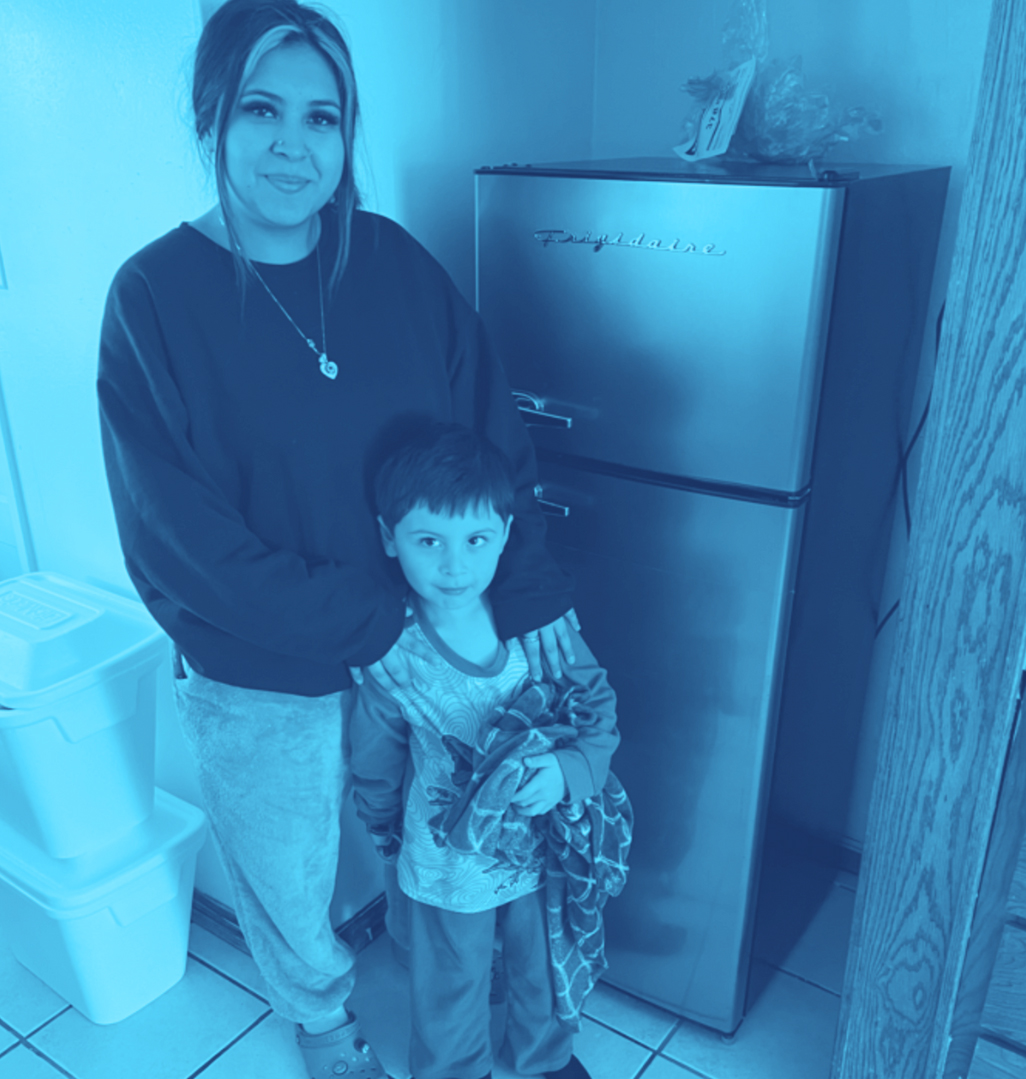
952 696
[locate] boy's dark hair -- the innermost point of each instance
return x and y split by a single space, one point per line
448 468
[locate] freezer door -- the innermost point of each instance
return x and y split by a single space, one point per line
672 327
684 598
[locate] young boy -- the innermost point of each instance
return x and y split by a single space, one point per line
445 505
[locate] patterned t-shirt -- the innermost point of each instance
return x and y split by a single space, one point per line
444 714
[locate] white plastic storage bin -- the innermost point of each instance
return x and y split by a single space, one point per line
107 931
78 677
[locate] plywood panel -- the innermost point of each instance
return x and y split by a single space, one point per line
994 1062
1004 1012
1017 896
953 694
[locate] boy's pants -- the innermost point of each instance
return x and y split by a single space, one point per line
450 971
271 771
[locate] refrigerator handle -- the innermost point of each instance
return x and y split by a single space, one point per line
550 509
532 408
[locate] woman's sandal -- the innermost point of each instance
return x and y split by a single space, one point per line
341 1051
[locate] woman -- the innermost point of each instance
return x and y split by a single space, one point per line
253 365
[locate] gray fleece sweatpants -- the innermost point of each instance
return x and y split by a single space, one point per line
273 771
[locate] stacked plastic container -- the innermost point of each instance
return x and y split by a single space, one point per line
96 866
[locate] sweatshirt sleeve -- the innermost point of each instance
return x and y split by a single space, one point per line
186 546
530 590
380 746
585 764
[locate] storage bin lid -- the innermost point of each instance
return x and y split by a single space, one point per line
54 630
74 887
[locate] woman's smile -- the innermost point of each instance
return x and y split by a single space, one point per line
287 184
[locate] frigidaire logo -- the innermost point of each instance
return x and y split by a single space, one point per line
562 236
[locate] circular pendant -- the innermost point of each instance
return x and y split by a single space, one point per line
328 368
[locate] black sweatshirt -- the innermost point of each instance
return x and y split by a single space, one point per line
239 472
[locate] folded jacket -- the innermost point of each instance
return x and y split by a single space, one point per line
584 844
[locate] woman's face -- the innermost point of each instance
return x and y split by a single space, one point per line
284 153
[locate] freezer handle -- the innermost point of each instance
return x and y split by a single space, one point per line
550 509
532 408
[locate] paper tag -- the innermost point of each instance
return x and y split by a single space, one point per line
719 118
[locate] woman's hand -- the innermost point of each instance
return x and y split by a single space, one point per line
554 642
544 790
392 671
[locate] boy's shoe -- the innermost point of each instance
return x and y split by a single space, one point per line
341 1051
574 1069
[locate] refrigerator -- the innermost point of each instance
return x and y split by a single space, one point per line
716 365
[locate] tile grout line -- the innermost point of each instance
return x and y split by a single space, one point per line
23 1039
49 1060
660 1052
666 1041
669 1037
676 1063
804 980
687 1068
228 978
18 1039
235 1041
42 1026
622 1034
654 1054
645 1065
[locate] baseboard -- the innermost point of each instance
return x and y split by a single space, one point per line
216 917
824 850
847 858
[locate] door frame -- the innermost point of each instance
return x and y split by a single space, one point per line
954 690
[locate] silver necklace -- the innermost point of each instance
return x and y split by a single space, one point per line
328 368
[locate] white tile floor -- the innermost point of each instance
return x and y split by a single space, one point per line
216 1023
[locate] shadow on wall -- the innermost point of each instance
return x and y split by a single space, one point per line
493 83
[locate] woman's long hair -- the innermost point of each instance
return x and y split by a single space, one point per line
236 38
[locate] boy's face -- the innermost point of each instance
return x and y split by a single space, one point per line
448 561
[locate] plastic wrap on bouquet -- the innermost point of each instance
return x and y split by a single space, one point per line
783 122
772 116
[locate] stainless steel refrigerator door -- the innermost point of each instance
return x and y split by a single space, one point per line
679 326
684 598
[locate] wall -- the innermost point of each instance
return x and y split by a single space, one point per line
918 62
103 164
451 85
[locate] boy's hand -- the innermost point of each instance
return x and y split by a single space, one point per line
554 641
544 790
386 845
